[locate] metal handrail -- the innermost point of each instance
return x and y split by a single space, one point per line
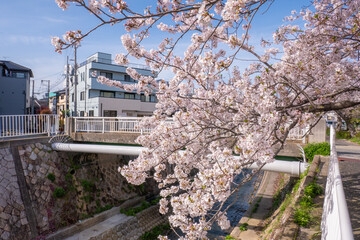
111 124
25 125
335 223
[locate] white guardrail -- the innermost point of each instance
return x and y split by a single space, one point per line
335 223
25 125
109 124
131 124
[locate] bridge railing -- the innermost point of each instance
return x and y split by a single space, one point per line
335 223
25 125
131 124
109 124
297 133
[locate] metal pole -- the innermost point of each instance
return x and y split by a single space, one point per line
32 99
76 82
66 94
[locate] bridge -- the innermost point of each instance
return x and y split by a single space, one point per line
125 130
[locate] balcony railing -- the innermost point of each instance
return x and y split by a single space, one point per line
25 125
108 61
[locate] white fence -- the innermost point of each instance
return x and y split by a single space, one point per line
109 124
131 124
335 223
297 133
25 125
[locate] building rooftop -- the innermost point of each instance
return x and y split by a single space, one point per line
16 67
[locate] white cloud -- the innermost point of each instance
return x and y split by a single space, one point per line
24 39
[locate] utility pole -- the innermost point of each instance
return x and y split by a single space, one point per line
76 81
32 98
48 82
66 93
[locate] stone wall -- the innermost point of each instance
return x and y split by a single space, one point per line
31 173
13 221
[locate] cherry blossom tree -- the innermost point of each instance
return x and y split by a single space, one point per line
225 119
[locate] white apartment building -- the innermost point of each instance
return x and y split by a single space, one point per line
95 99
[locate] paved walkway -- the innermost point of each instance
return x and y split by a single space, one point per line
349 157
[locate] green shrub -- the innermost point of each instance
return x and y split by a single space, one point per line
302 217
88 186
59 192
228 237
342 135
313 149
312 190
306 201
135 210
51 177
155 232
102 209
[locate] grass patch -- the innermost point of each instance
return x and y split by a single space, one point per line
302 215
256 206
51 177
155 232
228 237
133 211
244 227
59 192
342 134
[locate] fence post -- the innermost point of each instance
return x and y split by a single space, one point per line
75 127
103 125
48 125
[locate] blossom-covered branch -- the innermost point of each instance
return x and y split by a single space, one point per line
222 124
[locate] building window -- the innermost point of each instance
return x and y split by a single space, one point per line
91 113
82 96
107 94
110 113
81 113
149 98
19 75
72 97
107 75
129 95
127 78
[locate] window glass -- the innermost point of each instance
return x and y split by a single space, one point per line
20 75
82 95
129 95
91 113
110 113
107 94
127 78
107 75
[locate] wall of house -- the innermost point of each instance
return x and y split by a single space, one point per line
122 106
13 99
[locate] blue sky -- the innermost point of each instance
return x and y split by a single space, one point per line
26 28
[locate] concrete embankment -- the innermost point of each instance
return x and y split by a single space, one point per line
262 221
